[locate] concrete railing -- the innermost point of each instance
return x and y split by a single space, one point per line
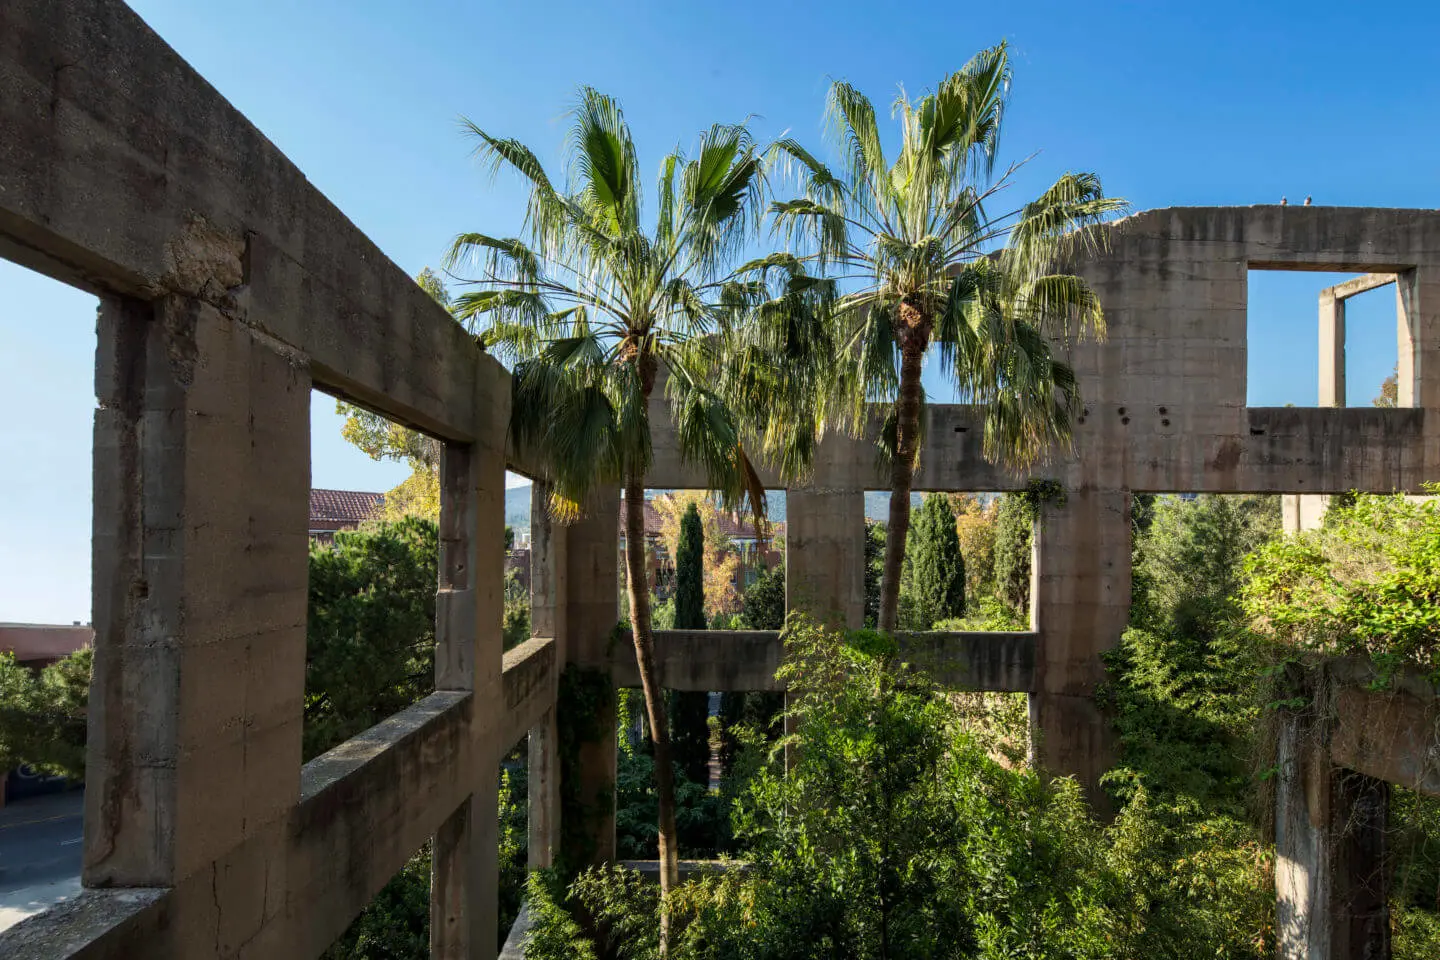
746 660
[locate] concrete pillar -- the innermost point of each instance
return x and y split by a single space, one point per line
543 777
592 584
548 592
548 570
1331 880
1332 350
825 554
202 473
1080 605
464 891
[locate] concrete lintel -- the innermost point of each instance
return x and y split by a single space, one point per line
1358 285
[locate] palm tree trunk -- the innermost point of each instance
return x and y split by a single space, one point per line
638 584
902 471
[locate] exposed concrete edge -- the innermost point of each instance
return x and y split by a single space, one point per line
1392 734
514 948
1350 288
333 768
530 684
97 925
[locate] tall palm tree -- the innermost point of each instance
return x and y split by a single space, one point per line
593 311
936 268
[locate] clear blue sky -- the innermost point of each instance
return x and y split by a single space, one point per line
1194 103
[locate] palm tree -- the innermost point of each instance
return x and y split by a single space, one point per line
593 312
937 269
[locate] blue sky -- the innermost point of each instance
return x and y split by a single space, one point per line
1173 104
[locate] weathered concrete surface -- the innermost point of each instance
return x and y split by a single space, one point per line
1331 875
199 597
981 661
530 678
746 660
1336 766
705 660
825 554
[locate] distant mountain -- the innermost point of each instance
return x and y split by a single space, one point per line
877 506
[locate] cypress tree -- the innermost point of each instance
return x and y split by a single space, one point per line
1014 524
690 572
690 711
933 578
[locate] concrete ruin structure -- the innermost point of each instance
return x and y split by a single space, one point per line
230 287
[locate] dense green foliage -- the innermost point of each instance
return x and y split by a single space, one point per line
370 641
763 605
370 653
896 834
932 586
42 714
1014 532
874 570
1367 583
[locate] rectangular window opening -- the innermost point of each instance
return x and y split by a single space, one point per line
1320 338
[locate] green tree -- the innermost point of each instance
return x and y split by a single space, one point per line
592 310
1014 533
763 605
920 232
690 710
690 573
934 580
874 570
42 714
370 640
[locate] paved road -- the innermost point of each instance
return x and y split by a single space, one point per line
39 853
40 839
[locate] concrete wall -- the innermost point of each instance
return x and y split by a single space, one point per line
229 288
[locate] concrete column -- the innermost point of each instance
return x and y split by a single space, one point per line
548 591
592 563
1331 880
825 554
543 776
464 892
1332 350
202 473
548 570
1080 604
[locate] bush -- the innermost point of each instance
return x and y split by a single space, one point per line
896 834
1366 584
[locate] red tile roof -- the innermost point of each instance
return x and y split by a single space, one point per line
339 509
43 641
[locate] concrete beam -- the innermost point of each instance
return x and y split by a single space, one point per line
123 171
746 660
529 688
1348 289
